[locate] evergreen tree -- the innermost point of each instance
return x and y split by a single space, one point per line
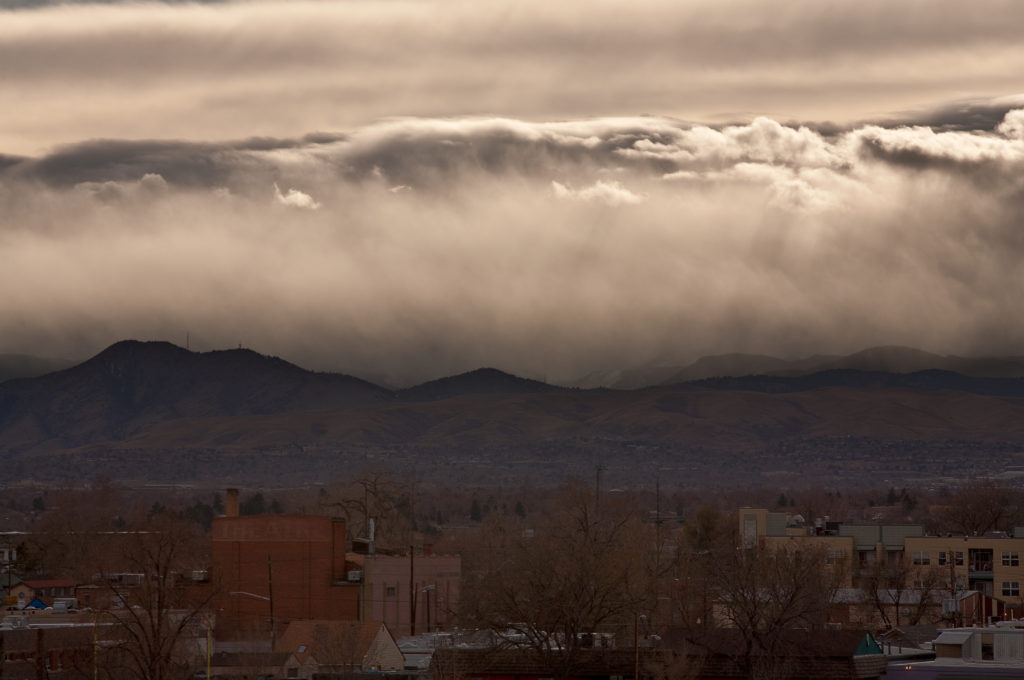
253 505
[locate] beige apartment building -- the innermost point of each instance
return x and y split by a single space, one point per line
852 547
990 564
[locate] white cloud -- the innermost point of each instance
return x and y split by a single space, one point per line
295 199
609 193
1013 125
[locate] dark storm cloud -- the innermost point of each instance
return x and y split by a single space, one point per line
8 161
422 153
415 248
411 152
920 158
990 161
978 115
178 162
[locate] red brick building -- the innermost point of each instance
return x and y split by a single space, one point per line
273 569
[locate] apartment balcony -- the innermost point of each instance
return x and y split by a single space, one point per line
980 571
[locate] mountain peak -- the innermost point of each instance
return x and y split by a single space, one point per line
479 381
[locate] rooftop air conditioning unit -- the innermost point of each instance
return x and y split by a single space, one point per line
15 622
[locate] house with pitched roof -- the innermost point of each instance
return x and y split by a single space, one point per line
44 590
323 646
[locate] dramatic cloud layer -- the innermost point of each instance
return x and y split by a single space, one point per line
228 70
416 248
420 187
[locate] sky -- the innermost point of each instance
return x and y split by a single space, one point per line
407 189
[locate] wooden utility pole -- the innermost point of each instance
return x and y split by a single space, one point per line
270 592
412 591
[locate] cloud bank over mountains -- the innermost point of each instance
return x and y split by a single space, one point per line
415 248
421 187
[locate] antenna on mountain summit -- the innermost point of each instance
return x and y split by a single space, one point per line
187 345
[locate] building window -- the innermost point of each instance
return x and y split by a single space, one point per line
390 591
1011 559
921 557
957 558
749 531
834 557
293 672
1011 588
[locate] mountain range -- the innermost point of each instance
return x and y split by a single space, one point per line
152 411
886 359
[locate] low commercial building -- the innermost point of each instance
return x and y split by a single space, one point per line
417 592
983 652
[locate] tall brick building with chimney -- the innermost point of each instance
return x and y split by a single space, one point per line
272 569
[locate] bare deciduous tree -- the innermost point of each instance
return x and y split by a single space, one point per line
159 619
766 593
980 507
64 540
379 496
579 574
901 593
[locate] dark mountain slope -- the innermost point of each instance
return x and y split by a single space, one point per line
731 437
133 384
241 415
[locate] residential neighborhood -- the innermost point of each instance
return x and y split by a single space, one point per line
594 591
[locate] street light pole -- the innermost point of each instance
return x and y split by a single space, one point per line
209 644
273 638
637 618
426 594
636 646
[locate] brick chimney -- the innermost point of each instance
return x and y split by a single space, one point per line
231 503
338 572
